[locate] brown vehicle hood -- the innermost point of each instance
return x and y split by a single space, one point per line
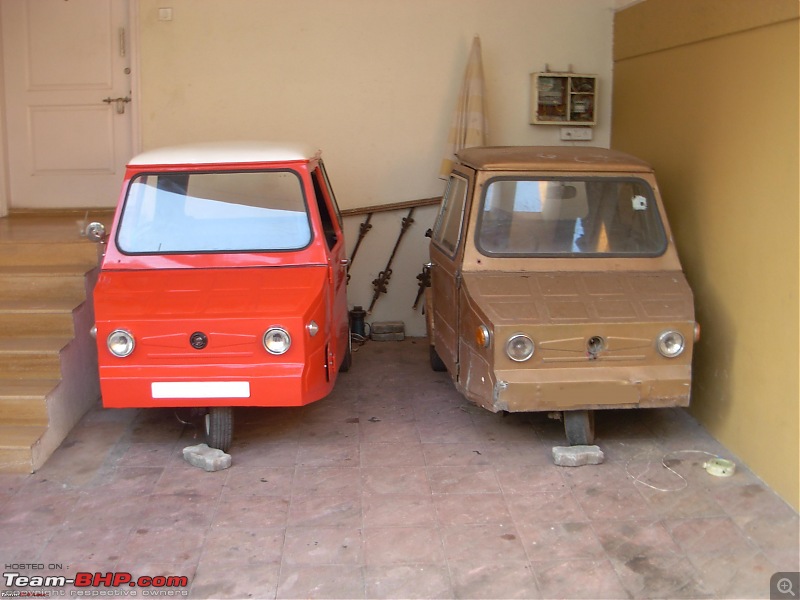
573 298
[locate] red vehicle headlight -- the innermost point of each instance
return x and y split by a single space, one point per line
277 340
120 343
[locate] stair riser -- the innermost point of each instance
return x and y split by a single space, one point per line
30 366
15 460
65 253
18 324
18 287
23 411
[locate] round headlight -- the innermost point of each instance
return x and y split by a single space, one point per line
120 343
670 344
277 340
519 347
482 336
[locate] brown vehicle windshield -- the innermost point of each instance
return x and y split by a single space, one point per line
569 217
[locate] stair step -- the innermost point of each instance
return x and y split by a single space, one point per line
37 316
24 401
31 357
30 282
16 445
80 251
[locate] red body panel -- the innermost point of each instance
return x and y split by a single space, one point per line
233 308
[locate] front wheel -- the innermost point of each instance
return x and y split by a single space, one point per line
347 361
437 364
218 423
579 427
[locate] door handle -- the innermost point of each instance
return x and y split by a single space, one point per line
121 102
345 262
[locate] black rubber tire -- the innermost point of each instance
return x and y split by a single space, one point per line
218 426
579 427
347 361
437 364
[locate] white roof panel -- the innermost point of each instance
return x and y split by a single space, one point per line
225 152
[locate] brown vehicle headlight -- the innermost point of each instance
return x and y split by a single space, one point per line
120 343
277 340
519 347
670 344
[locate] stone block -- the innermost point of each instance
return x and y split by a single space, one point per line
208 459
577 456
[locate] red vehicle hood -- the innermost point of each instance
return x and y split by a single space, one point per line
207 294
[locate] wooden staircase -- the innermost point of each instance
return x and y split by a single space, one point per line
48 361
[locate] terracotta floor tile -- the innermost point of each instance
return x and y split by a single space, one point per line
398 510
402 545
481 579
557 506
527 479
84 545
471 509
257 452
454 455
734 574
395 480
327 481
389 432
610 503
718 534
243 545
323 546
255 512
594 579
463 480
552 541
391 455
494 542
325 511
661 577
624 540
328 455
181 547
215 580
321 581
259 481
408 581
186 479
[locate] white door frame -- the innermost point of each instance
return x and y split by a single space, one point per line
136 131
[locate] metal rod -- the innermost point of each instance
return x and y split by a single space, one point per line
381 283
363 229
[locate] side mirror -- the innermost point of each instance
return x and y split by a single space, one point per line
96 232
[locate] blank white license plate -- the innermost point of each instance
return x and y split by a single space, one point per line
200 389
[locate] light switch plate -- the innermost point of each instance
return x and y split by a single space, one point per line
576 134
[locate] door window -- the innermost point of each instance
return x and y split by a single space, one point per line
450 222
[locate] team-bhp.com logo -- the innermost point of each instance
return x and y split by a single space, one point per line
93 584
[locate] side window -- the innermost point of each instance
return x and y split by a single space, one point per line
321 191
449 223
327 183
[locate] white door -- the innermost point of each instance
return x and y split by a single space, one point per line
66 63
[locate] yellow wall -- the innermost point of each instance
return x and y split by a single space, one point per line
373 83
708 93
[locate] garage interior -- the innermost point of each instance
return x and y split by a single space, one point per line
391 489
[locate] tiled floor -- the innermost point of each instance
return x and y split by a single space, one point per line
397 487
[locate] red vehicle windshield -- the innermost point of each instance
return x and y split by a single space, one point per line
247 211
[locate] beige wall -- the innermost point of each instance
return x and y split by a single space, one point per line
371 82
708 92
